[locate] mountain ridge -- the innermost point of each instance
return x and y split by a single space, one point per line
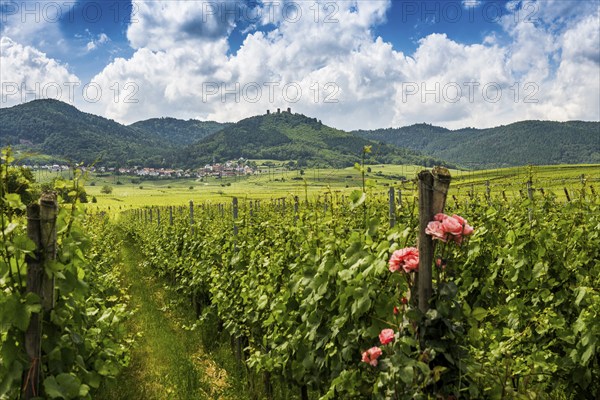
179 131
287 136
519 143
61 130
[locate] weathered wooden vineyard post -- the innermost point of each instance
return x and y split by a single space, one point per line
192 216
170 215
441 183
234 206
296 201
48 214
424 284
433 190
158 216
41 229
530 197
488 191
567 194
150 214
392 207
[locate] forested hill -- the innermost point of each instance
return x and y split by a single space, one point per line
55 128
177 131
520 143
287 136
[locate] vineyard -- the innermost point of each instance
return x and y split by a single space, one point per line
317 296
62 308
304 288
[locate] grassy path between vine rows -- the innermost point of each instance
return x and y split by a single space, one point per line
167 361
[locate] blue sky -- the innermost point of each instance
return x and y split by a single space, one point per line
405 24
381 63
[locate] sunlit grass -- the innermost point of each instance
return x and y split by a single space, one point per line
168 361
315 182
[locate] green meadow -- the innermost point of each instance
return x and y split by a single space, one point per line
131 192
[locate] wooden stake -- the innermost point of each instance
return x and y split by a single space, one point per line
192 215
296 201
392 208
425 180
41 229
441 183
48 213
35 278
235 215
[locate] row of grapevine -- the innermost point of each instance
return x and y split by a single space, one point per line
83 336
515 311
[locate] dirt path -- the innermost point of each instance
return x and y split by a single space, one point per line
168 361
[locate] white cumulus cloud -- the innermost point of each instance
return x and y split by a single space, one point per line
325 61
28 74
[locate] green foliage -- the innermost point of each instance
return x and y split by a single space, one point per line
106 189
291 137
68 191
84 339
520 143
59 129
177 131
20 180
515 311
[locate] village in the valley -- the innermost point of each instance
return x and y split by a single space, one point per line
240 167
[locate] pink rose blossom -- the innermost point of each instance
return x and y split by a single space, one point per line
435 229
467 229
407 259
386 336
452 226
370 356
444 227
